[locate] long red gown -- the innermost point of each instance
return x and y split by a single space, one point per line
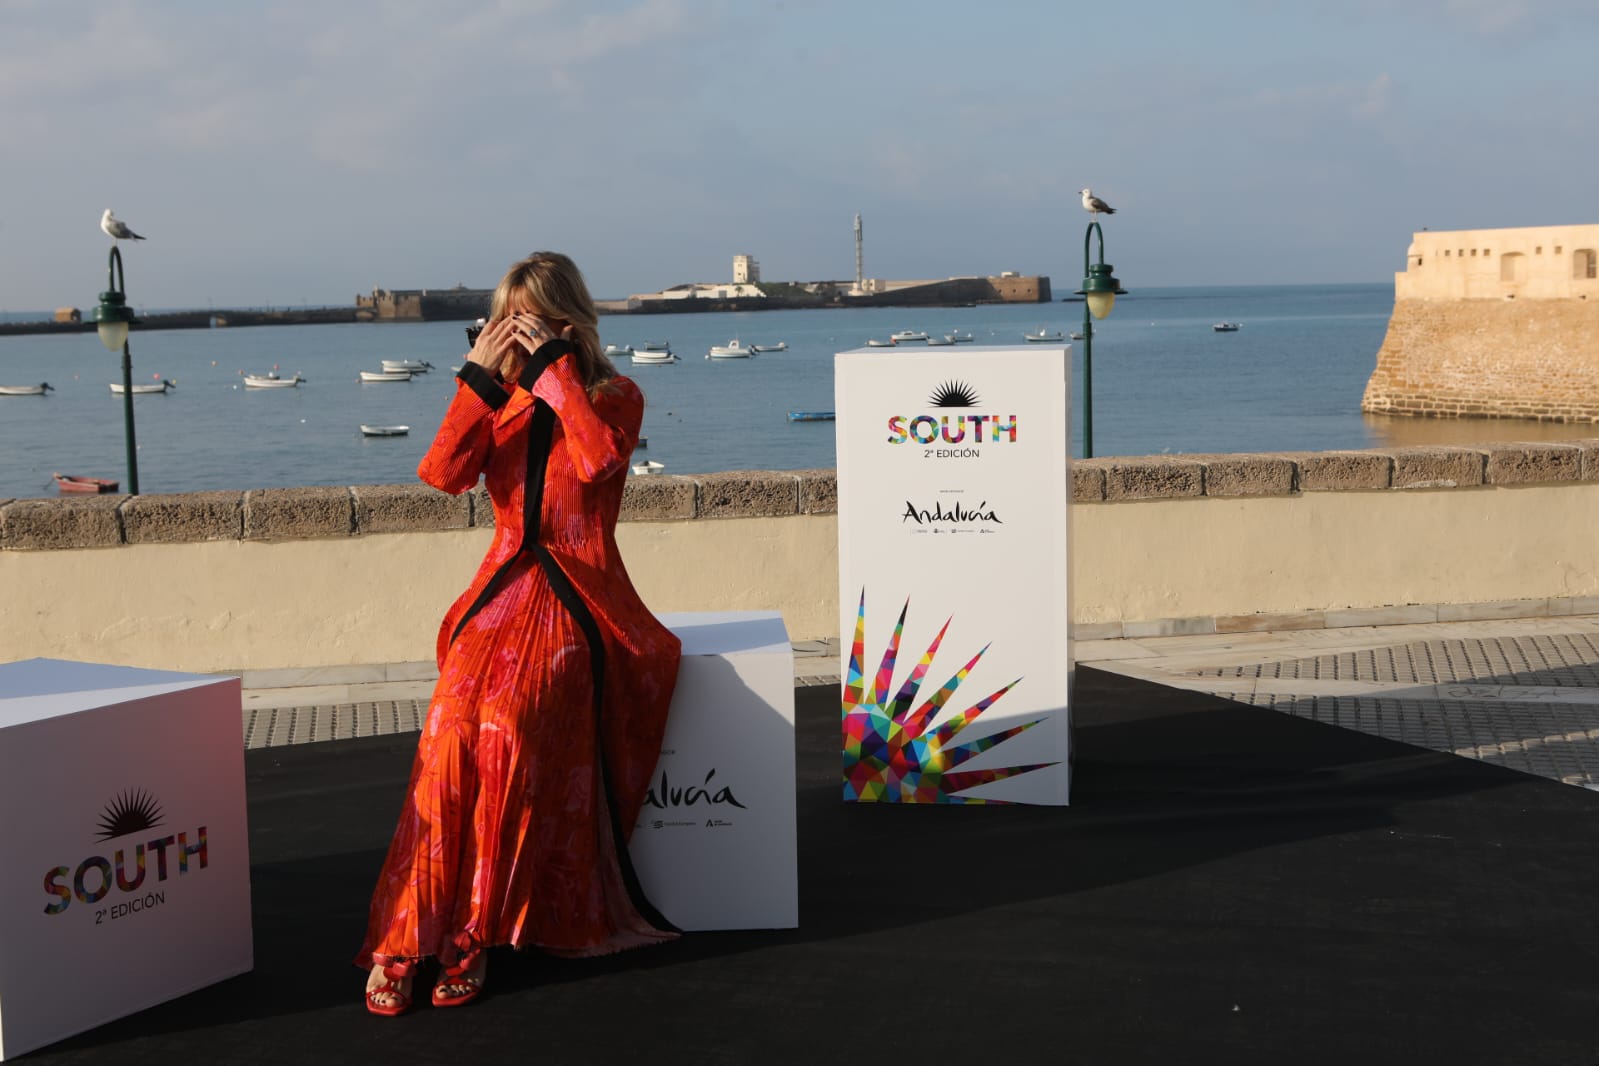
554 681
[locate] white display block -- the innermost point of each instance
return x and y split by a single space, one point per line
953 484
124 852
715 846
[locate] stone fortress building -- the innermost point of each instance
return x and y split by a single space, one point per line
1494 323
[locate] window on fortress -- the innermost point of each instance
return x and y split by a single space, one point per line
1585 264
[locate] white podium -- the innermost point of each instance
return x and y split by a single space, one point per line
714 846
124 853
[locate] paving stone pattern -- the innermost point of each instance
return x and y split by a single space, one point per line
1558 659
1511 723
268 727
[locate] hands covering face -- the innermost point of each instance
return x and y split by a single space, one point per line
505 343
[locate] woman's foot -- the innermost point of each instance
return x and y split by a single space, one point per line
460 984
388 989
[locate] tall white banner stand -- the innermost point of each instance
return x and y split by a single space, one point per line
715 844
953 596
124 850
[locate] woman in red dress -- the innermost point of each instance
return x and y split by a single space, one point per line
554 678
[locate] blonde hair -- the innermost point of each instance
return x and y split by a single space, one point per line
552 283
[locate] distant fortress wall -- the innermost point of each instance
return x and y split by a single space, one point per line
1497 323
426 305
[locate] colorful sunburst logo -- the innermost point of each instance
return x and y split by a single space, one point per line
953 394
131 812
892 753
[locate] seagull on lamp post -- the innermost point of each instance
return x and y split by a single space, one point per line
117 229
1094 205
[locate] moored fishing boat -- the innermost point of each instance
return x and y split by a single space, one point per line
384 431
26 390
908 335
369 377
70 484
413 366
618 351
780 346
648 466
959 336
1226 327
653 357
143 390
731 350
1043 336
810 416
271 381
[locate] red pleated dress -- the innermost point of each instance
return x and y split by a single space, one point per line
554 682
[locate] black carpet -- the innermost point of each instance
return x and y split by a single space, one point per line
1230 885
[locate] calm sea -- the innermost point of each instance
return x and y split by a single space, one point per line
1164 382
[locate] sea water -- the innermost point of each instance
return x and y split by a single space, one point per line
1163 382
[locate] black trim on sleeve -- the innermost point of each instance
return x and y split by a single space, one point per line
541 360
482 382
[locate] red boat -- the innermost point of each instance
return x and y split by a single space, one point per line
68 483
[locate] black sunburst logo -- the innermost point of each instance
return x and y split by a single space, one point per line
131 812
954 394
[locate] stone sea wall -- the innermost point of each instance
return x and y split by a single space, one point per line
1489 358
327 577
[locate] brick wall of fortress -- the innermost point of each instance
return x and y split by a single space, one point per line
1489 358
1494 323
311 578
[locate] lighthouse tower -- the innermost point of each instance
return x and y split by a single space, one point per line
860 276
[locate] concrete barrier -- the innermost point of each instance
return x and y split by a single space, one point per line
276 579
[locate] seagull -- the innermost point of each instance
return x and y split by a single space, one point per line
1094 205
117 229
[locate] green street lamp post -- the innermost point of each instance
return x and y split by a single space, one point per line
1100 289
112 319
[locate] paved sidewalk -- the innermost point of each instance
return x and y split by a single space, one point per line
305 714
1523 693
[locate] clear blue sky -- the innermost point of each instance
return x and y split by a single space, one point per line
293 152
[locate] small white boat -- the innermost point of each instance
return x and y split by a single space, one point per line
371 376
653 358
26 390
144 390
410 366
959 337
935 342
1226 327
270 381
1043 336
731 350
384 431
1075 335
657 346
617 351
908 335
879 344
648 466
780 346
